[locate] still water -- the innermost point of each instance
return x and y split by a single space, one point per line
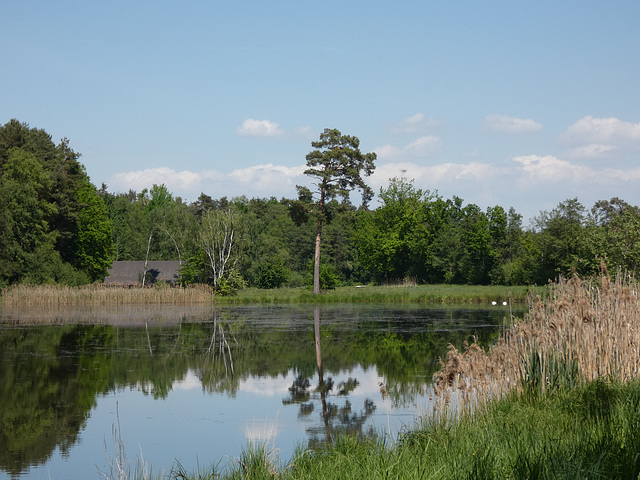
82 389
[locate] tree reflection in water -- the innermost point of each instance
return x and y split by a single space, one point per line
216 371
336 419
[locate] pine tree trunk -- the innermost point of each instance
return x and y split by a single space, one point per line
316 261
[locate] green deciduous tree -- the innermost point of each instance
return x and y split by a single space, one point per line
338 167
93 238
394 241
24 210
129 225
559 240
47 211
612 237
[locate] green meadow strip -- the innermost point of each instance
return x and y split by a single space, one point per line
427 294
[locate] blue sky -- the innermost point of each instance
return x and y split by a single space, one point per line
510 103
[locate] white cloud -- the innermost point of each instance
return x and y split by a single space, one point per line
413 124
256 181
414 119
259 128
505 124
263 177
269 386
189 382
623 176
602 131
140 179
419 148
549 169
530 183
435 175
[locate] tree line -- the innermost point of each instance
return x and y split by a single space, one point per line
57 227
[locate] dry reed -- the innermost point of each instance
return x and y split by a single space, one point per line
584 330
60 295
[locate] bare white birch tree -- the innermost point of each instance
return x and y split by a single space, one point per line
219 240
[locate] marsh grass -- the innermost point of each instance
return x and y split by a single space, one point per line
257 461
583 330
590 431
95 294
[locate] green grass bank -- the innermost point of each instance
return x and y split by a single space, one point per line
427 294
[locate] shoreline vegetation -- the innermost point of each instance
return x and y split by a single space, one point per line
96 294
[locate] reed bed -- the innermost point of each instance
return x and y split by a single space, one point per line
61 295
582 331
96 294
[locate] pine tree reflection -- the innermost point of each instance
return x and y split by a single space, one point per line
336 419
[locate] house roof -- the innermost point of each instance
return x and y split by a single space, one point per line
130 272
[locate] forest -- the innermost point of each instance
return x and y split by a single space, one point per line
58 227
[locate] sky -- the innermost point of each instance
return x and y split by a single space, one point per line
514 103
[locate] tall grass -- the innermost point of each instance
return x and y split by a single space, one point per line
583 330
59 295
590 431
54 295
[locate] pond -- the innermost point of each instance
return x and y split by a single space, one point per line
83 389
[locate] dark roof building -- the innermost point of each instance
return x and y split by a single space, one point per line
131 273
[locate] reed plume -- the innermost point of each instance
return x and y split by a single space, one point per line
580 331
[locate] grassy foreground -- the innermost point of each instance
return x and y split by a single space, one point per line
588 432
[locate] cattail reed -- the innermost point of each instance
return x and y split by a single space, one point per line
581 331
60 295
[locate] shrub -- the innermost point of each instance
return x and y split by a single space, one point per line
272 274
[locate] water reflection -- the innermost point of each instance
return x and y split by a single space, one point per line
59 383
336 418
217 373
